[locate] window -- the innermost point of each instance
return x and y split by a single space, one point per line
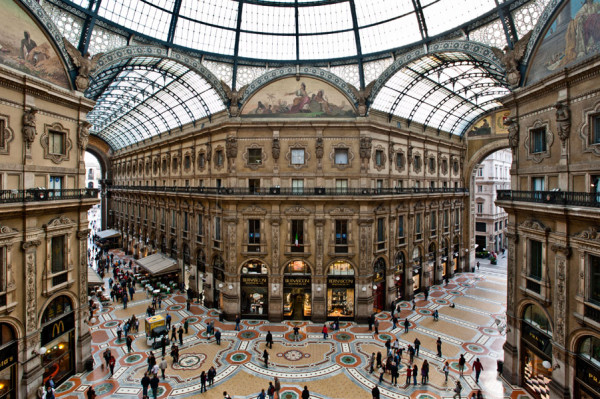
341 156
154 214
594 293
538 140
399 160
380 233
341 236
56 184
298 156
480 207
496 226
173 219
417 162
432 184
379 185
56 143
535 259
379 158
187 162
297 186
401 227
219 183
481 227
57 245
297 235
201 160
185 221
341 186
217 228
254 185
199 228
253 235
446 220
480 172
399 184
431 165
595 123
538 183
479 189
219 158
456 217
418 228
433 223
254 156
455 167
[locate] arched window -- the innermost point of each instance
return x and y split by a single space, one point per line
535 317
7 334
341 268
57 308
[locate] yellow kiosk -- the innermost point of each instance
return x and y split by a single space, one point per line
156 328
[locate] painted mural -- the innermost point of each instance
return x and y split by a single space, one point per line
304 98
490 124
25 47
573 36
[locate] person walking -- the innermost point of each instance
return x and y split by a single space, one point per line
461 364
296 333
381 373
186 325
457 390
411 353
210 376
238 320
125 300
408 375
160 302
477 265
262 395
107 356
271 390
91 393
374 392
154 381
145 384
478 367
425 372
175 353
269 340
372 363
325 331
371 319
218 336
111 364
395 373
306 393
266 358
163 367
180 332
128 342
394 322
163 345
277 386
151 361
446 370
168 318
406 325
203 381
439 346
173 333
417 346
436 315
225 395
119 332
376 325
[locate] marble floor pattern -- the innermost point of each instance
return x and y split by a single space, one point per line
332 368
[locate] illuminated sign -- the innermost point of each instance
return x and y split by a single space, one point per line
58 327
254 280
340 282
9 355
296 282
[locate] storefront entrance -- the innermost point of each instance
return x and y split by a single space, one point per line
297 298
536 353
254 289
417 270
58 337
9 355
379 285
340 291
218 281
400 263
587 375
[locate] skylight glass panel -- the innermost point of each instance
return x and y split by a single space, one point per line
267 46
82 3
384 100
203 37
334 45
325 18
268 19
441 16
137 15
166 4
371 11
396 33
216 12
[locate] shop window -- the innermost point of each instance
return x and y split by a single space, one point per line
380 233
297 235
341 236
253 235
379 158
535 317
538 140
589 349
57 336
297 186
340 290
341 186
297 156
254 289
594 288
57 309
297 296
254 156
341 156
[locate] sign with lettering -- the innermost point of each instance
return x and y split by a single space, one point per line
588 374
257 281
340 282
538 339
58 327
9 355
296 282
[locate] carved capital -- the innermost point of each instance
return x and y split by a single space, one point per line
563 249
30 244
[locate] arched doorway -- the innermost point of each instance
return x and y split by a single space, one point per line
58 337
340 290
254 287
9 353
417 269
218 266
297 293
587 366
536 352
399 273
379 285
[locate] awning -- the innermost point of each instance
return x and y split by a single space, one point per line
157 264
110 233
94 278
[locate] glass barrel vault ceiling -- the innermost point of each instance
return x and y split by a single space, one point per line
242 39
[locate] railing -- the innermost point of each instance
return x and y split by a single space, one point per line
43 194
291 191
551 197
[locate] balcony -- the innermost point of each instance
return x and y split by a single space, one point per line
44 194
293 191
565 198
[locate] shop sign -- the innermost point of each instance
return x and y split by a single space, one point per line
340 282
254 280
58 327
296 282
589 374
537 338
9 355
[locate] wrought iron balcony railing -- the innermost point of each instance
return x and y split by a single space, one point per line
551 197
291 191
44 194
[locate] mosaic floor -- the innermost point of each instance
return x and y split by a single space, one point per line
332 368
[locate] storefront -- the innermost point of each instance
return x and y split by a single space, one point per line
218 281
417 269
9 356
400 264
58 337
340 290
379 285
455 253
254 286
445 273
297 294
587 375
536 353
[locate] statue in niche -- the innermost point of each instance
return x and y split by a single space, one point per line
232 147
319 148
275 148
29 131
510 59
84 63
234 97
83 135
563 120
513 132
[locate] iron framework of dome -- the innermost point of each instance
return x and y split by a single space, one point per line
240 40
